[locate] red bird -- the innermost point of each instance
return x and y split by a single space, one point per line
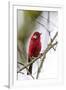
34 48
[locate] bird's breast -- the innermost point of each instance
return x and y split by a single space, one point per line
34 48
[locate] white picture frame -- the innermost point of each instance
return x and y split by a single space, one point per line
12 79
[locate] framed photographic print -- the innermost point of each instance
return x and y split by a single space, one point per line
36 47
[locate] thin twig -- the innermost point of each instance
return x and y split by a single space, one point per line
54 37
41 24
29 63
26 69
21 72
50 21
40 67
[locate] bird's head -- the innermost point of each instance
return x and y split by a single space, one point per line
36 36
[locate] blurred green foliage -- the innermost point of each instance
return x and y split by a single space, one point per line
27 28
29 24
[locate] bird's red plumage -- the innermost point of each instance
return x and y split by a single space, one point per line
34 47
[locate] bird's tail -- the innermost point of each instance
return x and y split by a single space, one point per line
30 67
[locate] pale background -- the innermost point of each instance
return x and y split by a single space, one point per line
4 44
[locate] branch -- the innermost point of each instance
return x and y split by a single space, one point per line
44 55
39 69
50 21
26 69
29 63
54 37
